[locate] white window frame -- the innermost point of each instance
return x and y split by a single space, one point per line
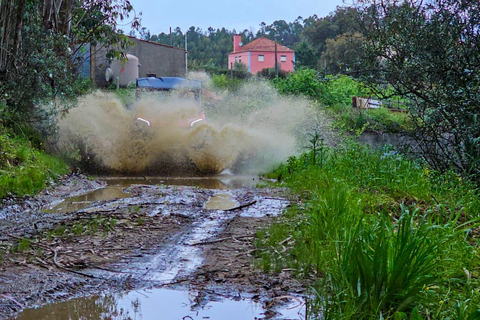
261 58
283 58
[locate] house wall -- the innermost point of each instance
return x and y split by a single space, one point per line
269 61
250 59
154 58
242 57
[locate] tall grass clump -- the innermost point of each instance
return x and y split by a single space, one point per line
23 168
377 235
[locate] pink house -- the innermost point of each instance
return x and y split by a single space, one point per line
260 54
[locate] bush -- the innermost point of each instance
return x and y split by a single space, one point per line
359 120
339 90
224 82
303 82
330 91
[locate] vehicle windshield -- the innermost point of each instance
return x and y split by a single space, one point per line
183 86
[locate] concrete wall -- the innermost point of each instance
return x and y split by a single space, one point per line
154 58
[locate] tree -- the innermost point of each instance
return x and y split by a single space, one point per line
342 54
305 55
41 41
429 52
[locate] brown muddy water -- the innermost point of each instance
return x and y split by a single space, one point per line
116 185
180 258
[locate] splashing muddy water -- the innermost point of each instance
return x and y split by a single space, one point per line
248 131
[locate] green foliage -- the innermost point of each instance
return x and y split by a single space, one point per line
224 82
429 53
304 82
125 95
330 91
380 120
305 56
385 265
336 93
41 52
342 54
271 73
382 235
23 245
24 169
339 90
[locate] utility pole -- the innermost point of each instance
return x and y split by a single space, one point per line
276 59
93 65
186 55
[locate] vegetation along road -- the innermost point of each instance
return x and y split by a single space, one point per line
267 208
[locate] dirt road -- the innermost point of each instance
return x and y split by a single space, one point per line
154 236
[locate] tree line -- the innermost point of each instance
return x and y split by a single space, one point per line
330 43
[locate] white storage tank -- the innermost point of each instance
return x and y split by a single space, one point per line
125 70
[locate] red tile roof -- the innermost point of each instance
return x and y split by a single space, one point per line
263 44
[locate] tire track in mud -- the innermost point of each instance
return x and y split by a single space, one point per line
181 254
175 245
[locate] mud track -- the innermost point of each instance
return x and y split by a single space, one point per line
158 236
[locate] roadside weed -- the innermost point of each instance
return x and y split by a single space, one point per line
23 245
382 235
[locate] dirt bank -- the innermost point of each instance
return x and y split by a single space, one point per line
157 236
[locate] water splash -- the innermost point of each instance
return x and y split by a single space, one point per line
249 131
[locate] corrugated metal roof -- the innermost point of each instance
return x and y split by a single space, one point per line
263 44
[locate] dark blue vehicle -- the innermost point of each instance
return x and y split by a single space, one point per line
182 85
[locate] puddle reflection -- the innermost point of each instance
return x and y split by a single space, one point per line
115 186
165 304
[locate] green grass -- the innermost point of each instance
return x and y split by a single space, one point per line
378 235
125 95
23 168
357 121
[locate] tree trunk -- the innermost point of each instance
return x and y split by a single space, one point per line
11 23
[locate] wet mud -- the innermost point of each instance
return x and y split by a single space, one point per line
119 256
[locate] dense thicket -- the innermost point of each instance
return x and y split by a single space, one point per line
429 52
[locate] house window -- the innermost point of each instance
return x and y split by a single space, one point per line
283 58
261 58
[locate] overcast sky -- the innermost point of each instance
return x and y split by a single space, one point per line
159 16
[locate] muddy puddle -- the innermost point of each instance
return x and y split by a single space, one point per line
165 248
222 201
115 189
154 304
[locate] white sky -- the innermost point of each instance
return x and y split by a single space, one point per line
159 16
